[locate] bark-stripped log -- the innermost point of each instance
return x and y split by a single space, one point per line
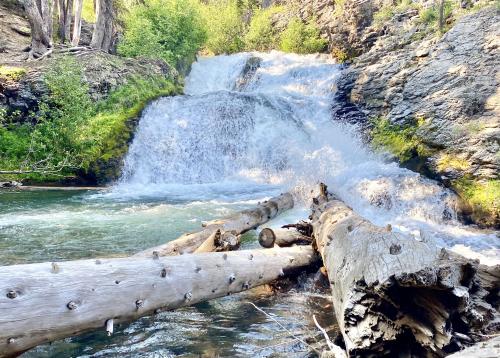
237 224
282 237
395 295
218 242
48 301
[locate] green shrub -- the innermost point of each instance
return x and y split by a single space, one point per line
168 29
71 132
261 35
225 26
387 12
302 38
430 15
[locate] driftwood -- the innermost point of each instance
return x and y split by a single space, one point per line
48 301
394 295
218 242
282 237
236 224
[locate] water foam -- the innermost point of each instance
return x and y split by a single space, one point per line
275 133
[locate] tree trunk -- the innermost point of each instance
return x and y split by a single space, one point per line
395 295
441 15
236 224
282 237
40 41
62 19
68 16
44 302
77 24
104 26
46 13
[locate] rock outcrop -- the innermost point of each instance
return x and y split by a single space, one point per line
103 73
445 87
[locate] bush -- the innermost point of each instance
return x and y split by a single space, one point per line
225 26
168 29
302 38
73 132
261 35
387 12
430 15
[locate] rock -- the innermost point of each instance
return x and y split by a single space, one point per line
447 87
9 184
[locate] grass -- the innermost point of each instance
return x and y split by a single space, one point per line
482 196
11 73
448 161
110 127
400 141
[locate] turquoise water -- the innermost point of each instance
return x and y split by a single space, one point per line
50 225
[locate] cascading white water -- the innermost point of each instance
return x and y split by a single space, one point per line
243 132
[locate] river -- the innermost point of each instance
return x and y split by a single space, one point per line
248 127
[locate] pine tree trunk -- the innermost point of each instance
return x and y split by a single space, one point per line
393 294
68 16
62 19
40 41
104 26
77 25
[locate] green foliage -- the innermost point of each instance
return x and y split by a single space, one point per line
88 13
430 15
387 12
261 35
482 196
166 29
225 26
302 38
108 130
11 73
399 141
73 130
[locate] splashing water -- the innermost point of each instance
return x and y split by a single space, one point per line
243 131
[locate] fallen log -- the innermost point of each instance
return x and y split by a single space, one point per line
218 242
237 224
44 302
282 237
394 295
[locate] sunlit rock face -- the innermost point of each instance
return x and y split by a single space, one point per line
449 86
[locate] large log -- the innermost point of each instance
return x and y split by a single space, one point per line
48 301
393 294
237 224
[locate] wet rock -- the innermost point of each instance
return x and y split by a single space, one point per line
9 184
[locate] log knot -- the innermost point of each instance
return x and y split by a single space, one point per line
139 304
232 278
188 296
72 305
12 294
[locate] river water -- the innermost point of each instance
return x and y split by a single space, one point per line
241 133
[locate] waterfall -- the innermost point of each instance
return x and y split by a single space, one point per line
254 124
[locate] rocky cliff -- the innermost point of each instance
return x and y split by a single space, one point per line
444 87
